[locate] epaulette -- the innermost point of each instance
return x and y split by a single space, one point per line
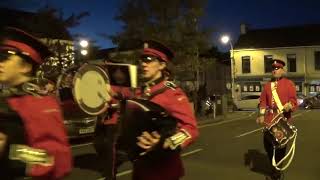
170 84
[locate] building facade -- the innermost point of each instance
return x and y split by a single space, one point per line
298 46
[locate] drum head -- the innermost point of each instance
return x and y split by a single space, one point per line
91 89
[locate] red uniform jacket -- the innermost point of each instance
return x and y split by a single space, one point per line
43 123
287 93
177 104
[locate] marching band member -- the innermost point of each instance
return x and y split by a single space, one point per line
33 140
286 91
158 89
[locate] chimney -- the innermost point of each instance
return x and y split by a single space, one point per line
243 28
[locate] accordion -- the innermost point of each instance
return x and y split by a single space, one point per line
137 116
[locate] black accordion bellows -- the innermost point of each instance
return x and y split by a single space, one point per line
137 116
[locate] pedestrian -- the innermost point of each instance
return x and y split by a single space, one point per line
33 140
156 87
269 108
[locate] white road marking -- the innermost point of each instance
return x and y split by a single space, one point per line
296 115
252 113
80 145
191 152
253 131
124 173
225 122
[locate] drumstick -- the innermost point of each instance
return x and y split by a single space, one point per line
273 119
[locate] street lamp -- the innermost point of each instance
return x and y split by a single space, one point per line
84 52
84 43
225 39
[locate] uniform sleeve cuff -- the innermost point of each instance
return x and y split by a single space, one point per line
178 139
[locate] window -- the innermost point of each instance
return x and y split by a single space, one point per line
317 60
245 64
312 89
245 88
268 63
258 88
251 88
292 63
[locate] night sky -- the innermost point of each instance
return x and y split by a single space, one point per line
225 16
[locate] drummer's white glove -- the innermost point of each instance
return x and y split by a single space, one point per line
261 116
287 107
260 120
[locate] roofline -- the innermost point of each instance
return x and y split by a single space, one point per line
284 27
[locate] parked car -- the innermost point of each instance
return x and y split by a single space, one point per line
78 123
247 102
312 102
301 99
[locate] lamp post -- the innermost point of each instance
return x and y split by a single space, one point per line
225 39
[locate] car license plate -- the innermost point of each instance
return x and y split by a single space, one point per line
86 130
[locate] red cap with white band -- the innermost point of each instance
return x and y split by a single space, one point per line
20 42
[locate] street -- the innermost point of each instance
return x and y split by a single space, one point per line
230 149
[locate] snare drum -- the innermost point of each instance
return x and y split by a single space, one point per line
88 86
282 131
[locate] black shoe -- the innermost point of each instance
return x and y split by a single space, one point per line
277 175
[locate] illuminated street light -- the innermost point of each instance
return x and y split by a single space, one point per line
84 52
84 43
225 40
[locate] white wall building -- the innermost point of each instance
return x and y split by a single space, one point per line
298 46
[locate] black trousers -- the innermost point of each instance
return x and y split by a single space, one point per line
104 143
268 146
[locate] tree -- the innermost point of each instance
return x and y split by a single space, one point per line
176 23
52 21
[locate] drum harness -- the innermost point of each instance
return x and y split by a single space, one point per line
291 151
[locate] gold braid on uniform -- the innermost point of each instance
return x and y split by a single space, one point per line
30 156
177 139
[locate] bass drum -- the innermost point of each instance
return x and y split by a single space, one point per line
88 86
137 116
